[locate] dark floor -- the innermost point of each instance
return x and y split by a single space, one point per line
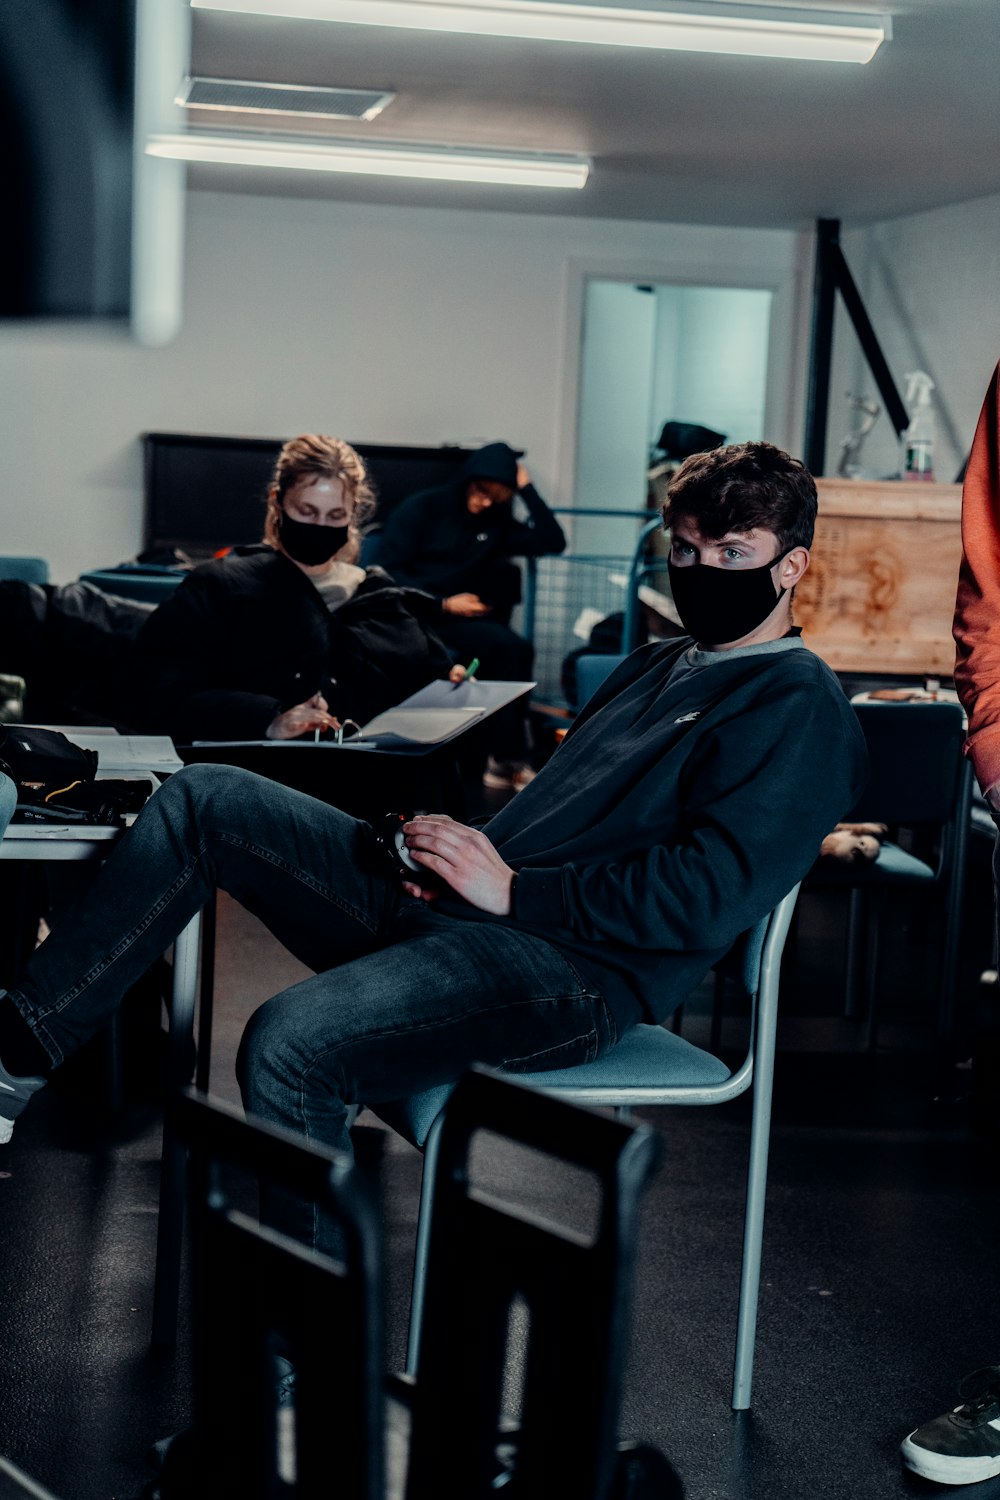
880 1255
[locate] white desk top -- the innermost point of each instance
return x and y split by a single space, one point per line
147 756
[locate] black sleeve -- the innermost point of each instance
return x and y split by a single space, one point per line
180 655
539 536
400 543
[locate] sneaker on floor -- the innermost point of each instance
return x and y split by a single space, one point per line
963 1446
15 1093
511 775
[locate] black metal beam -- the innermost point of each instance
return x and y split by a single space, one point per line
832 275
870 346
821 347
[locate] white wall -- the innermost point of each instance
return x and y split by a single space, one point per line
931 285
613 444
384 325
712 356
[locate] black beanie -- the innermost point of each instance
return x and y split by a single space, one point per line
496 461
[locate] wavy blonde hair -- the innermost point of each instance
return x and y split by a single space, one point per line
316 456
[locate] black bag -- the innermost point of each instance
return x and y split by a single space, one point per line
55 780
34 758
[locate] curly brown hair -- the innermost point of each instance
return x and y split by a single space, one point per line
745 487
316 456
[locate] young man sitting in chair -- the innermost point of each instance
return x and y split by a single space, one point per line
689 796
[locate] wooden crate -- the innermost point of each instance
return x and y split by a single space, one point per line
880 591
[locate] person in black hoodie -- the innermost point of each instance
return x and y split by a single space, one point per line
689 796
457 541
291 636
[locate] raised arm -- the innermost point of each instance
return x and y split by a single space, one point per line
541 535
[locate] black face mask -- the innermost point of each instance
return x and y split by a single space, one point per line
717 605
310 544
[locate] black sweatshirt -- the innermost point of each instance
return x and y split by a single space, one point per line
690 795
247 636
432 542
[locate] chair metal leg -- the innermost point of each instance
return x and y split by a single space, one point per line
173 1166
425 1214
753 1236
753 1224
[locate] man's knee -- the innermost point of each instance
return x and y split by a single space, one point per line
199 788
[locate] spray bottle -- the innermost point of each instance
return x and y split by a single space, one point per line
918 438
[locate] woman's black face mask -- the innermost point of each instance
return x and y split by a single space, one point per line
310 544
718 605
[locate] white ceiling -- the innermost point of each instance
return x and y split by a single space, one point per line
673 136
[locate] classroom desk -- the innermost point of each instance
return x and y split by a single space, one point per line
31 842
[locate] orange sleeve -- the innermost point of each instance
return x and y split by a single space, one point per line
977 607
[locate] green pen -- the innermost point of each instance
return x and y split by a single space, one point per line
472 667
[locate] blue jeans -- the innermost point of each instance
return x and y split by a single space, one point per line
403 997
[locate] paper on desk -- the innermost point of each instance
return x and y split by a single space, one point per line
421 726
131 754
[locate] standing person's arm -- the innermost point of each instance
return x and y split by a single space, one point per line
977 607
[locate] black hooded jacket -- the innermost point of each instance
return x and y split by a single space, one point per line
248 635
431 541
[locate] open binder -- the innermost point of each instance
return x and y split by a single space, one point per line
438 713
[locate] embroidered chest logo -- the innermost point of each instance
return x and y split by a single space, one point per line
689 718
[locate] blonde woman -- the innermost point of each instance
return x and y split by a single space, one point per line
290 636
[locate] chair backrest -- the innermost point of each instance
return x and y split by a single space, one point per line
25 569
915 762
592 669
483 1255
260 1297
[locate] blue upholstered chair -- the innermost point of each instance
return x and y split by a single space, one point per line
25 569
592 669
649 1066
148 585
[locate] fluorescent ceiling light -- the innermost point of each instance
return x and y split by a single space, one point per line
827 35
388 159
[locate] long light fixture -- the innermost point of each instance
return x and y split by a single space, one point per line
379 159
827 35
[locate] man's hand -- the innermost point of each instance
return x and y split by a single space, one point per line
523 477
468 605
463 858
299 720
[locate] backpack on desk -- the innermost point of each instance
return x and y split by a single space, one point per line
55 780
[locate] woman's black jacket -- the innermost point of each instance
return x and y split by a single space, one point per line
247 636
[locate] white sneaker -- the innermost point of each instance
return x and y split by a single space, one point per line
963 1446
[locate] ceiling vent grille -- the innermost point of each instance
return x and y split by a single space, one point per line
235 95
